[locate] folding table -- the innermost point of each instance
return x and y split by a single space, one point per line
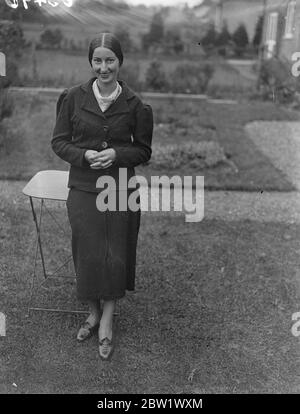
46 185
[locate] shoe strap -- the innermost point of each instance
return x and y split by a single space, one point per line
105 341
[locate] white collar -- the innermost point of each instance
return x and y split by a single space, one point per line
111 97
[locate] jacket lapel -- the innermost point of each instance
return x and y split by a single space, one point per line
120 106
89 102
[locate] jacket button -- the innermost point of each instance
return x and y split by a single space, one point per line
104 144
105 128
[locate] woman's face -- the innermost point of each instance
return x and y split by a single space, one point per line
105 65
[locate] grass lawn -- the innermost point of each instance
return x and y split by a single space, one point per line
211 312
61 69
25 141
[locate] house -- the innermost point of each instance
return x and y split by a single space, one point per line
281 33
234 12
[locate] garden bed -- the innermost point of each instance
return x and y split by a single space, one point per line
211 136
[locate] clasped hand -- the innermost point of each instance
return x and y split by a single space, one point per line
102 159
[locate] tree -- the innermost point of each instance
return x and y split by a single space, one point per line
11 44
21 14
145 42
7 13
156 32
223 40
208 41
11 38
257 38
112 5
240 39
124 36
51 39
172 42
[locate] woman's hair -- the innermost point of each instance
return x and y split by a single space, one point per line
109 41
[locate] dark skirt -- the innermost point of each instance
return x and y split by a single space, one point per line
103 247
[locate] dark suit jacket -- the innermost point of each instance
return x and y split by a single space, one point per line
126 126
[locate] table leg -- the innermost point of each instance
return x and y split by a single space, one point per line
39 249
38 227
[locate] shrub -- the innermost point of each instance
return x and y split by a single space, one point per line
51 39
12 39
6 110
12 43
130 73
191 78
12 77
276 81
6 104
201 154
156 78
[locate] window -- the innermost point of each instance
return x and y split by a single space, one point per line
290 20
271 33
272 27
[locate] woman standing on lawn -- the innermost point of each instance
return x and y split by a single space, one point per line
101 126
